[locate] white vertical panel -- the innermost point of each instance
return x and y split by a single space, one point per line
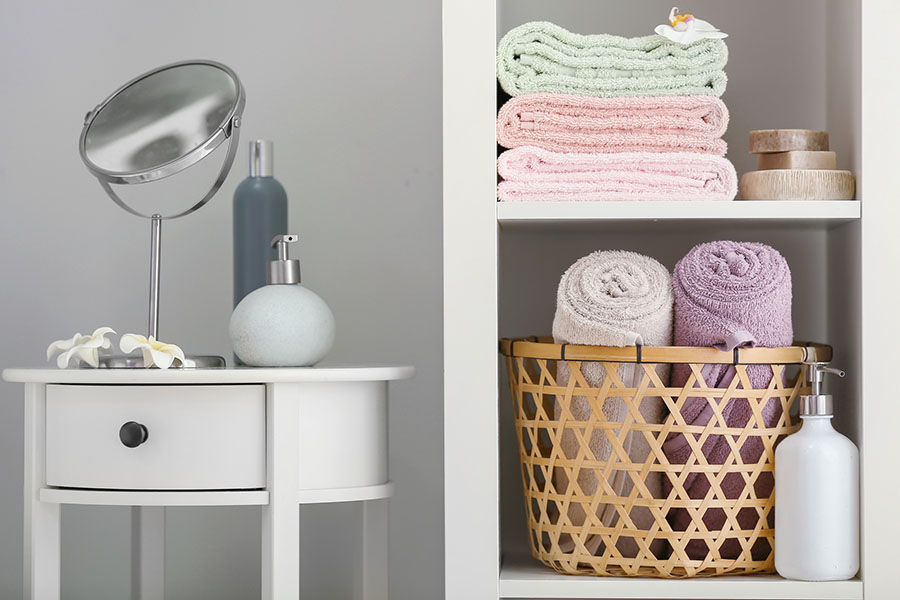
470 302
148 552
281 518
41 540
880 270
371 568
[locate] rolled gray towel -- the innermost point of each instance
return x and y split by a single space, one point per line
613 298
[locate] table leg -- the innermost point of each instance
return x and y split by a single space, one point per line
372 564
148 552
41 522
281 517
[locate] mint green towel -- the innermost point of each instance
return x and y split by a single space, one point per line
543 57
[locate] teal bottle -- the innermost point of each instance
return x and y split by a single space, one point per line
260 214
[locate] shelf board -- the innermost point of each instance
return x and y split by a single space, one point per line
351 494
208 497
566 215
524 577
155 497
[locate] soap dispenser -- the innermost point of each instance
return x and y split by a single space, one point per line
282 324
817 493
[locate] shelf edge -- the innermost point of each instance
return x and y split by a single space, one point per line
523 578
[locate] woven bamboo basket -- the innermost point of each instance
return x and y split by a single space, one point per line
631 530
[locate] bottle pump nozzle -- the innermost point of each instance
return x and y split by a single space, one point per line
816 374
284 270
816 403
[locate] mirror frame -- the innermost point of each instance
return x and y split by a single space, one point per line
222 132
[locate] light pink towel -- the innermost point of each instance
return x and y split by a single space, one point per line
535 175
566 123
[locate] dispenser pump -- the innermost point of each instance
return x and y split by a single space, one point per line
284 270
817 404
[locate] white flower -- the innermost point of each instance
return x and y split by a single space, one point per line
687 29
85 348
155 352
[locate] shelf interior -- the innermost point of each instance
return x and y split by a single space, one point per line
801 70
825 270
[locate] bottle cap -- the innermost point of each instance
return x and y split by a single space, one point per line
284 270
261 158
816 405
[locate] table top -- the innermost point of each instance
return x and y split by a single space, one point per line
212 376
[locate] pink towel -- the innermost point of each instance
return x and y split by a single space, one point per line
566 123
728 294
535 175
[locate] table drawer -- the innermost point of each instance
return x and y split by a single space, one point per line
195 437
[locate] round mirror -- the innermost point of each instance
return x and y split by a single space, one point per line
161 122
157 125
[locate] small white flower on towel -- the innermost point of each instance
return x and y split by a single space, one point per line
85 348
155 352
687 29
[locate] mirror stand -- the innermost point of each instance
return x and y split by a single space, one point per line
137 362
155 231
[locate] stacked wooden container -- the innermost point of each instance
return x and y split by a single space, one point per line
795 164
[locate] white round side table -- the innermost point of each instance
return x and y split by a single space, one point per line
149 438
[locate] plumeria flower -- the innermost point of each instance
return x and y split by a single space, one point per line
85 348
687 29
155 352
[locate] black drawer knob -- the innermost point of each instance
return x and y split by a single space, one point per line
133 434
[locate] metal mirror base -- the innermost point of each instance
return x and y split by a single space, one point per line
137 362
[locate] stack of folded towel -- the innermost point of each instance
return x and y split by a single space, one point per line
601 117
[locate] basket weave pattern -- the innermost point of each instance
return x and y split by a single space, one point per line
566 531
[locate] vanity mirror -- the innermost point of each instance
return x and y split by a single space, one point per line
157 125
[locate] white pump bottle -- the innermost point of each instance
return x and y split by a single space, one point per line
817 494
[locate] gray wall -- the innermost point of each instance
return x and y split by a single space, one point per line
350 92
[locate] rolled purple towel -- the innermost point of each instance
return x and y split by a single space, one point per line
728 295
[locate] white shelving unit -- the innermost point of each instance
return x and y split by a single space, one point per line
797 64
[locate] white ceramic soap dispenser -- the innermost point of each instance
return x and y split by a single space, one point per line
282 324
817 494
